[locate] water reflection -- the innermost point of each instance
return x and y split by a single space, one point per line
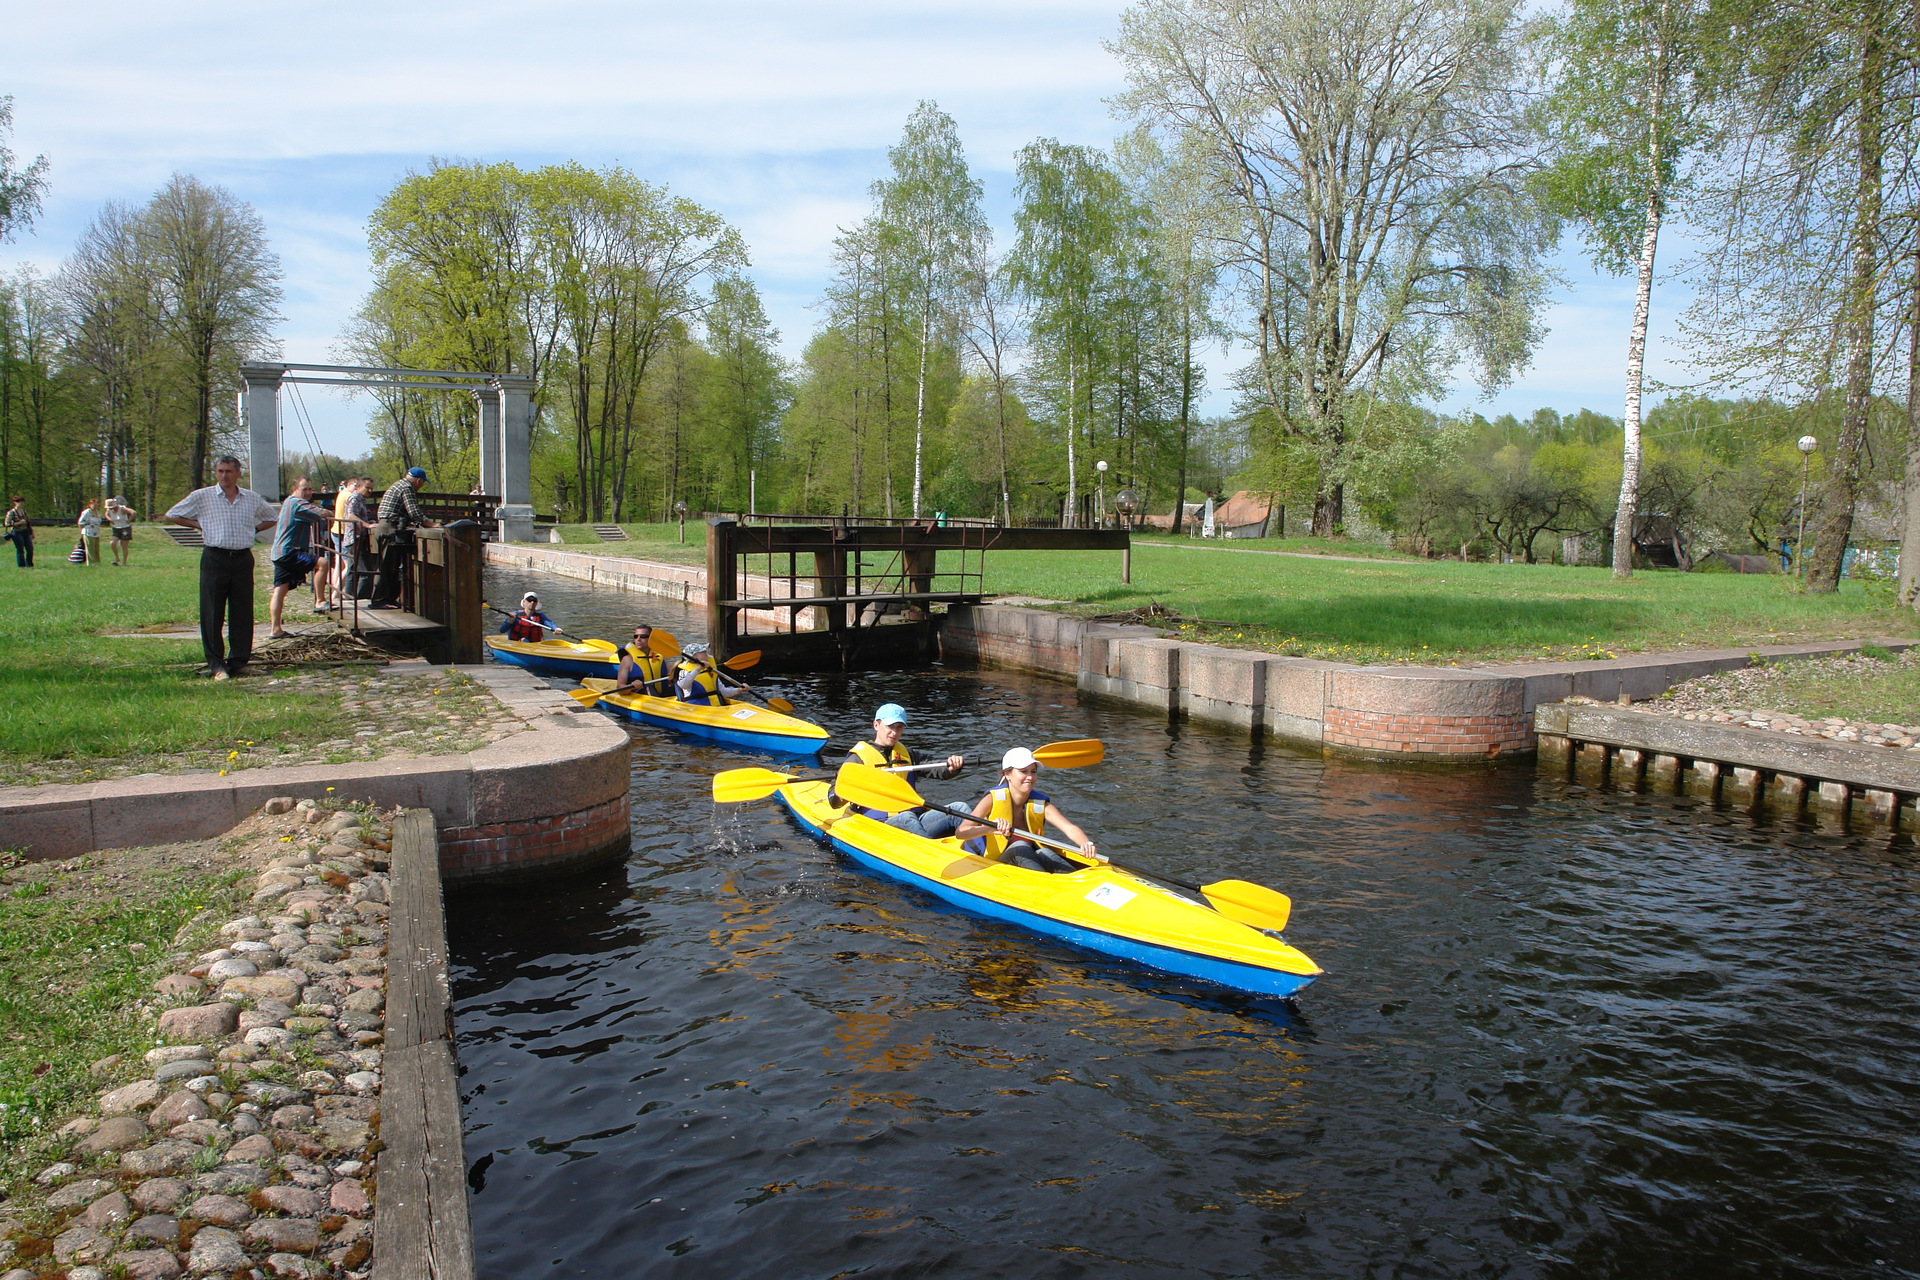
1564 1033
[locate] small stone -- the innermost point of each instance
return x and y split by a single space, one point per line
367 1000
159 1057
319 1082
222 1211
349 1195
86 1273
106 1065
344 1133
148 1264
277 806
216 1250
182 1069
76 1194
117 1133
108 1211
166 1156
254 1148
299 1202
234 967
309 1026
81 1245
155 1226
268 1094
201 1022
179 1108
291 1266
266 986
54 1173
208 1087
160 1195
247 1123
296 1116
363 1082
285 1235
229 1179
78 1127
129 1098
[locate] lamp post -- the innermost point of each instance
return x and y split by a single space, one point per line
1126 502
1807 445
680 513
1100 507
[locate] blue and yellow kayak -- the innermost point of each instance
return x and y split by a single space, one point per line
737 724
1099 907
558 657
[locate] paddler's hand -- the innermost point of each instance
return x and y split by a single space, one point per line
1087 849
1004 827
954 764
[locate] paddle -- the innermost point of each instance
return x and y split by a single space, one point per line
1240 900
554 627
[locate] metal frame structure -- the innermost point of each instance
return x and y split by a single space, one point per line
506 425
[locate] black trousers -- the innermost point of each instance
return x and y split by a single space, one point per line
226 591
393 567
23 550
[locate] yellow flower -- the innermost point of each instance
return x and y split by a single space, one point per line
223 773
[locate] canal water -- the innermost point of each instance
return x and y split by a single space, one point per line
1563 1033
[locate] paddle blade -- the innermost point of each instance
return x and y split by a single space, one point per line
585 697
599 684
781 705
664 644
607 645
872 788
741 661
1249 903
1077 754
737 785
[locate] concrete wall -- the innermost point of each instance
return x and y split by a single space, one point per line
1440 714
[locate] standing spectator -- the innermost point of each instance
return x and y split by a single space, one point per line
301 525
90 521
227 517
122 516
20 532
399 512
361 561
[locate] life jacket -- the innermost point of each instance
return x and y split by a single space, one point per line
525 628
649 668
706 685
867 753
993 845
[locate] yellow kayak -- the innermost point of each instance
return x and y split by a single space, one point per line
738 724
558 657
1102 908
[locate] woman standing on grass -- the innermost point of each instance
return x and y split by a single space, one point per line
20 532
90 521
121 517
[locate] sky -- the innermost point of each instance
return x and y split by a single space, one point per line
775 115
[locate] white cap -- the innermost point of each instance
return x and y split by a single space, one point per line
1018 758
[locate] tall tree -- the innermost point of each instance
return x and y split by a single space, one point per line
1376 157
20 188
929 212
748 390
1623 117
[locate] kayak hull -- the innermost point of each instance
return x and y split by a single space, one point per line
554 657
736 724
1150 926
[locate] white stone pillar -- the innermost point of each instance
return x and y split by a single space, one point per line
260 398
487 401
515 512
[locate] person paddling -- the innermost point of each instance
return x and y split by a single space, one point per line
527 623
886 750
641 669
1014 807
697 680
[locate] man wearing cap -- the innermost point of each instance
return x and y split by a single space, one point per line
1014 808
529 623
886 751
400 514
697 680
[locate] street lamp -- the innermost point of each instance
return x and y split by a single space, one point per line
680 513
1807 445
1100 508
1126 502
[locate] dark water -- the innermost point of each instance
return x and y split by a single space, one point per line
1564 1033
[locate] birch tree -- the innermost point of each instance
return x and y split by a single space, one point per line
1622 119
1376 159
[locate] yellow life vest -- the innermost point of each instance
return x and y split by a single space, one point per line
995 847
648 667
867 753
706 684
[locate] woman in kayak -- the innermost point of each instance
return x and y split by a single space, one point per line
529 624
1014 807
697 680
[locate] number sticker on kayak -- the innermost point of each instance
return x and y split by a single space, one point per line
1112 896
744 713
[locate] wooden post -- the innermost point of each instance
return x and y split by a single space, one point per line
723 583
1788 791
1629 766
1704 779
463 591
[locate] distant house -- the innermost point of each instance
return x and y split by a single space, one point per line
1244 515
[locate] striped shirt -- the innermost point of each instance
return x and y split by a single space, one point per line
228 525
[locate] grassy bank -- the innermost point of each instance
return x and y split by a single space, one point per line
81 943
1874 686
1442 611
646 542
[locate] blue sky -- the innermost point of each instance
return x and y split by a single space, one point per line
776 115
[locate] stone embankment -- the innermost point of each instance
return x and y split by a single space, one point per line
243 1142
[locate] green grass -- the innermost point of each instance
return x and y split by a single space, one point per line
1875 686
1408 610
649 542
69 691
81 944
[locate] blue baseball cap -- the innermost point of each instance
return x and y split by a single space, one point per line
418 473
892 713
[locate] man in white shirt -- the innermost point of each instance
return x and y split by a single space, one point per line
227 517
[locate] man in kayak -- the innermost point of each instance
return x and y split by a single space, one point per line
886 751
528 623
1015 807
697 680
641 669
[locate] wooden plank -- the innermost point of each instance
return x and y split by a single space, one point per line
421 1226
395 620
780 539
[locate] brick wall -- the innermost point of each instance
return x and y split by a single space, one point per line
1428 736
538 846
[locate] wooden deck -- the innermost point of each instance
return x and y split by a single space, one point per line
374 623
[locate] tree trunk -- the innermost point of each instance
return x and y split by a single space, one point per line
1910 523
1073 491
920 406
1623 515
